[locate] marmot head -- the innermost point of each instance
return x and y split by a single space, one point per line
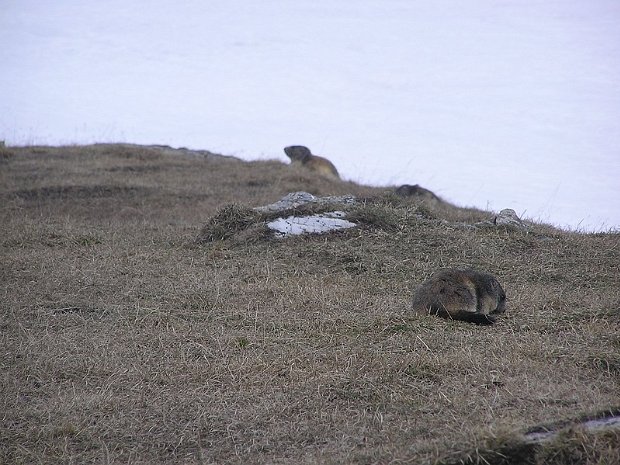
298 153
408 190
496 295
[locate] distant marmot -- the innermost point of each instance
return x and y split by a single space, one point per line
302 155
407 190
461 294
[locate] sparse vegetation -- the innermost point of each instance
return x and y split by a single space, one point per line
146 317
228 221
5 152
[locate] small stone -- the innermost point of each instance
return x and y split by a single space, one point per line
508 217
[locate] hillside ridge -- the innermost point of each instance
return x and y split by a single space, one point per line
127 339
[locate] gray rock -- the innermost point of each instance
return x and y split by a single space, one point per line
508 217
297 199
608 423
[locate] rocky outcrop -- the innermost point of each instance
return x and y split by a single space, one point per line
308 224
298 199
507 218
303 213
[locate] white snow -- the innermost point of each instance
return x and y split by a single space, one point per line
512 104
318 224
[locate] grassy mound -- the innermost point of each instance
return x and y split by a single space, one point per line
125 340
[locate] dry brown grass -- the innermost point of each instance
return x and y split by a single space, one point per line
122 340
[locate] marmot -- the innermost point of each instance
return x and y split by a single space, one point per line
320 165
461 294
407 190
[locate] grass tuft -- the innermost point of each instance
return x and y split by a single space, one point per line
5 152
374 216
228 221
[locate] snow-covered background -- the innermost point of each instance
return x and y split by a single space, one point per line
495 104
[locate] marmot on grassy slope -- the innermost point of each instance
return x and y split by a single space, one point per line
407 190
320 165
461 294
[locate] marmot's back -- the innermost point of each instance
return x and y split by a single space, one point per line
302 155
461 294
417 191
322 166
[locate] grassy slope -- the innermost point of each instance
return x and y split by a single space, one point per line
124 341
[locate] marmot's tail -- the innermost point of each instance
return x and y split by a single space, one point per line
471 317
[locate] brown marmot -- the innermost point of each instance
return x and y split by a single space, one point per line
461 294
302 155
407 190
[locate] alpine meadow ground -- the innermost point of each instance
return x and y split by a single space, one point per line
148 317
